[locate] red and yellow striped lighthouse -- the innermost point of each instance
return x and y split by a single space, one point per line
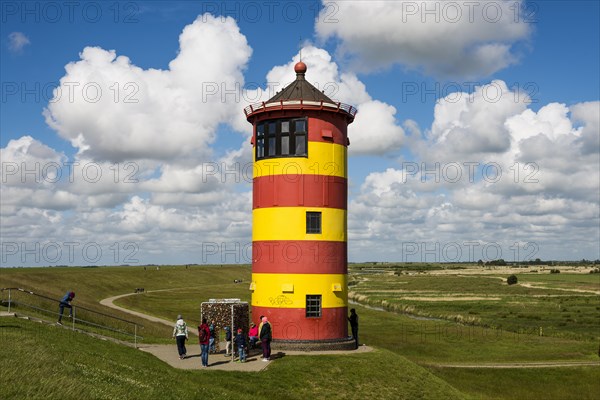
299 228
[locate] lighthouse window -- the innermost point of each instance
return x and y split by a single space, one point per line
313 222
272 146
300 136
285 145
260 148
300 125
300 145
281 138
260 141
285 138
313 305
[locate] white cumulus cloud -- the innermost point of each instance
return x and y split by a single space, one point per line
541 197
456 39
110 109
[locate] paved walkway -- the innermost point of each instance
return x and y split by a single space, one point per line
254 363
168 352
6 314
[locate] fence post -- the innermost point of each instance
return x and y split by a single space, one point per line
9 300
73 309
135 335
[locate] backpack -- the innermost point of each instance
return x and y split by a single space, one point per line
203 335
181 329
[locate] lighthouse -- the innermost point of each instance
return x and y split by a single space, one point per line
299 216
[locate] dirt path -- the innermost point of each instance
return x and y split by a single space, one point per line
532 286
543 364
109 302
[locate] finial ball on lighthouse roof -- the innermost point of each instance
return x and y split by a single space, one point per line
300 68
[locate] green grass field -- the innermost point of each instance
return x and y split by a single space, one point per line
40 361
551 302
408 361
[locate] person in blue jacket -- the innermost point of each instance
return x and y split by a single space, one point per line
65 302
240 342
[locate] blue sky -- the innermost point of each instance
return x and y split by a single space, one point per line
427 78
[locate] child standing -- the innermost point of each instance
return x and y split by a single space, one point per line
240 342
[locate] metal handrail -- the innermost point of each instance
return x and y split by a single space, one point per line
300 104
11 301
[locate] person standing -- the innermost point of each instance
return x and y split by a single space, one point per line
204 339
65 302
353 319
265 335
180 333
260 324
212 346
240 342
228 342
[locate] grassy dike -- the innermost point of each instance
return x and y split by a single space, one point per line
40 361
45 362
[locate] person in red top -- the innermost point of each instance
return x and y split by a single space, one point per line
204 336
253 335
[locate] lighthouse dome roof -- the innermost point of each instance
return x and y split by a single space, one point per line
300 89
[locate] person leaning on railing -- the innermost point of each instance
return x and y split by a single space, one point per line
65 302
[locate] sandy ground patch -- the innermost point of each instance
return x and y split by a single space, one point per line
507 270
532 286
375 291
450 298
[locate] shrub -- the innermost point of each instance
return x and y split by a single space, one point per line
511 280
555 271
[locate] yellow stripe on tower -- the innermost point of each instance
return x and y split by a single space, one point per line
290 290
324 159
289 223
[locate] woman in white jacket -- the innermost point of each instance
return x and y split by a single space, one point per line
180 333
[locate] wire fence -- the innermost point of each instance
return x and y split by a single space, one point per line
27 303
